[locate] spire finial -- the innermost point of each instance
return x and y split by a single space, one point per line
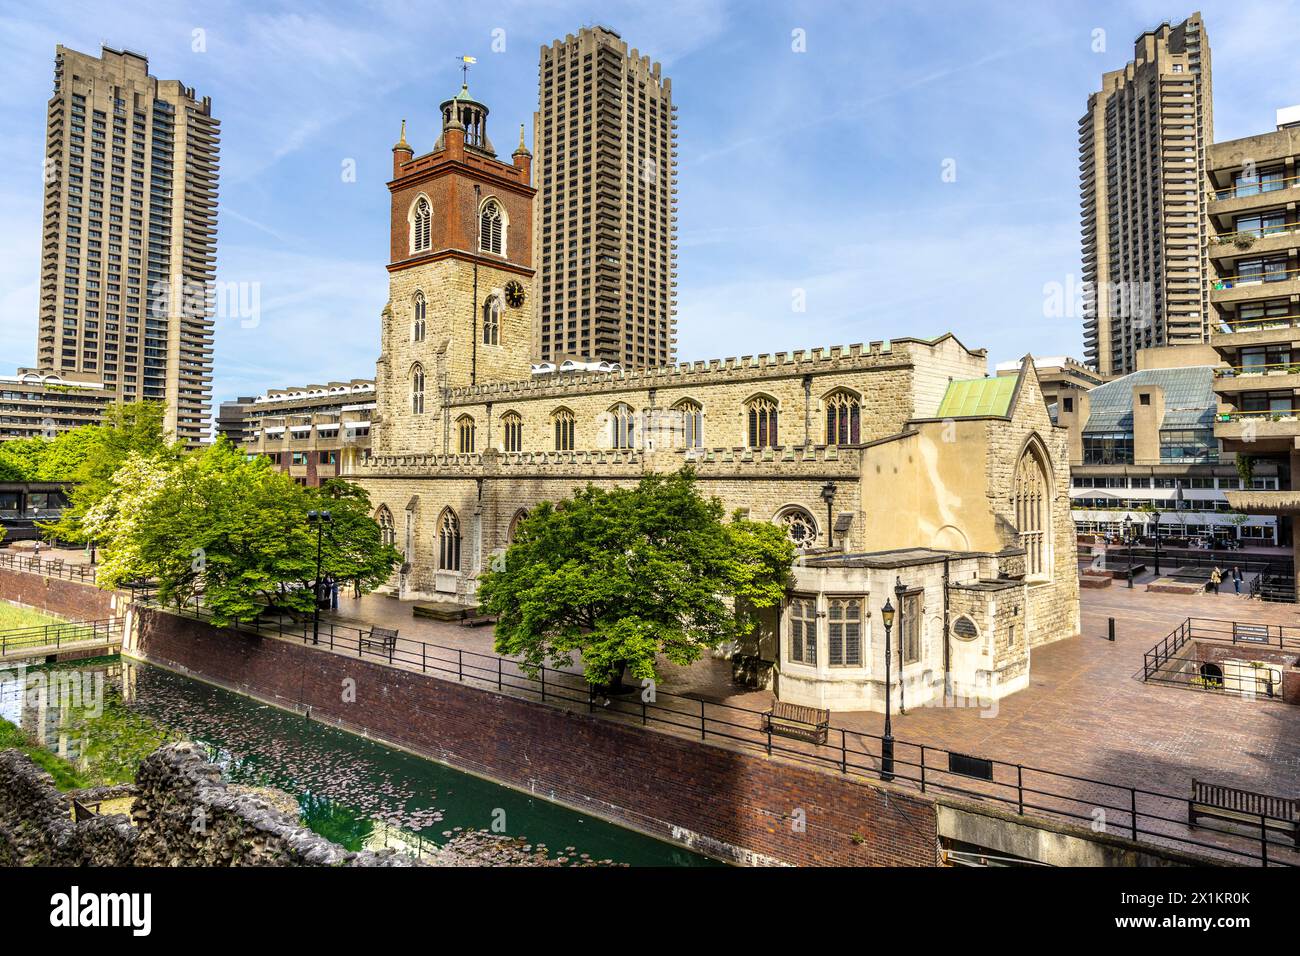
401 142
521 137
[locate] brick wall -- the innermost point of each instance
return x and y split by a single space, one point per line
731 804
70 599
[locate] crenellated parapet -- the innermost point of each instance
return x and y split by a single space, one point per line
879 356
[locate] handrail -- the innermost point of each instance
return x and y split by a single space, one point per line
1140 814
1240 191
56 567
1262 232
1283 322
1226 282
1232 371
57 635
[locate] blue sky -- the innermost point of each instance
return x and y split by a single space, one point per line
819 171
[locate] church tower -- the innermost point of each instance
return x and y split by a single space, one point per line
460 277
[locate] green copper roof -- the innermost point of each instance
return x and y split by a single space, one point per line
978 396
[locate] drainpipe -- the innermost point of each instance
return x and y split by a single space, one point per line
473 306
947 639
807 410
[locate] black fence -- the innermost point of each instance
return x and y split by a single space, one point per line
50 567
1143 815
46 637
1164 664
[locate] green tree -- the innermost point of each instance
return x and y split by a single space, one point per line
91 455
624 575
233 529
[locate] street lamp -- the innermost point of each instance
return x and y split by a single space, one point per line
828 496
319 519
1155 514
1128 539
900 589
887 742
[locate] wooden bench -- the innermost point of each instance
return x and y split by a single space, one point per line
84 811
798 721
383 639
1243 806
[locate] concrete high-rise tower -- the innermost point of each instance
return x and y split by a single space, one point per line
1142 150
605 237
128 253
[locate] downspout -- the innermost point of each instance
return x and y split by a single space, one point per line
473 306
947 640
807 410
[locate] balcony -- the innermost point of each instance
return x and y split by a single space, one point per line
1233 380
1238 333
1268 240
1244 197
1256 285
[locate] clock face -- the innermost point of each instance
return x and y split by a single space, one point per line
514 294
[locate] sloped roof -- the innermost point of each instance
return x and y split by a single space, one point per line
974 397
1189 399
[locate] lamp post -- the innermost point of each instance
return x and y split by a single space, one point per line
319 519
1128 538
887 742
1155 514
900 589
828 496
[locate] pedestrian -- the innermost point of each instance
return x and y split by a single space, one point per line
334 595
38 549
1215 577
1236 578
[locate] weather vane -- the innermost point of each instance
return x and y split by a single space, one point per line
465 62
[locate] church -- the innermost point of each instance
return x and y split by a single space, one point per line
900 470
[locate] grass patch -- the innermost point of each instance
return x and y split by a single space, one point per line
14 616
66 776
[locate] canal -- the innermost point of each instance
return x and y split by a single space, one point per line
105 715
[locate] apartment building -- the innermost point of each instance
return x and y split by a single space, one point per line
1145 443
1142 160
605 218
308 431
230 420
128 250
1253 186
37 403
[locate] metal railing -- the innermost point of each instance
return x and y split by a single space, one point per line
16 640
1163 664
1243 190
50 567
1140 814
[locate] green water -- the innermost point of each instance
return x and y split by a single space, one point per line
355 792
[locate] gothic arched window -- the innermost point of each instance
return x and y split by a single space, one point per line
387 531
843 414
513 427
421 217
800 526
762 422
691 417
417 389
622 426
417 324
563 419
491 228
492 321
1031 499
520 515
448 541
465 433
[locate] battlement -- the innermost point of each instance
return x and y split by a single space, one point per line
708 462
875 355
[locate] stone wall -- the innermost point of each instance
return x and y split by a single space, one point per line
183 815
735 805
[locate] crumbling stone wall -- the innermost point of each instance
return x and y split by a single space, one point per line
184 815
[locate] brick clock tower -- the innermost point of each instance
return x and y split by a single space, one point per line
460 278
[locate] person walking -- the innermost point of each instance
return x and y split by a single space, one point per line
1237 578
1215 577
